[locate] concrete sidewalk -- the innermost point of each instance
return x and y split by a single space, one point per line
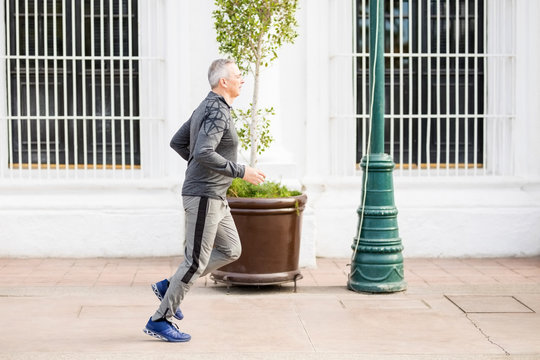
96 309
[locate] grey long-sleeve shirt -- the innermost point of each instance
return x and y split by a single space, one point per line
208 141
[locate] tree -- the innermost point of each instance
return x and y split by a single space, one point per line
251 32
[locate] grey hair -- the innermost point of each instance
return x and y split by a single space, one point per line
217 70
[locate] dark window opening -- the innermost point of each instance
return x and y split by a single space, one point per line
438 81
73 91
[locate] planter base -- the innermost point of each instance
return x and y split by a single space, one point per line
231 278
269 230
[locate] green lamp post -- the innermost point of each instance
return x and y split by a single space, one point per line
377 261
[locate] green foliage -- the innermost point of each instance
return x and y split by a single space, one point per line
242 121
268 189
251 31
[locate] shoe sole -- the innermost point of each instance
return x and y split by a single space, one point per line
155 289
156 292
161 337
151 333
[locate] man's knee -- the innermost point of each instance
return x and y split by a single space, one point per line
235 253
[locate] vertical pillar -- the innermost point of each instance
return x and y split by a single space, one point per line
377 264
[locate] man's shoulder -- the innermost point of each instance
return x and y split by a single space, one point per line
215 102
217 115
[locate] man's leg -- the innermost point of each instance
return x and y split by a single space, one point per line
227 246
203 216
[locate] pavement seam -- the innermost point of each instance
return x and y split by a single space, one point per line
525 305
427 304
99 276
488 338
134 277
304 327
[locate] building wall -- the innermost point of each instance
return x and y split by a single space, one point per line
438 215
446 215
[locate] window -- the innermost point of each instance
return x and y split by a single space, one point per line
434 82
72 84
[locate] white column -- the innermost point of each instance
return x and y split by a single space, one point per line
342 121
4 149
177 76
316 156
284 88
527 124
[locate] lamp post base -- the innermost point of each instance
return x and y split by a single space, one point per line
377 278
377 265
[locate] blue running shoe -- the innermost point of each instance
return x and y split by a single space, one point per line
160 288
166 331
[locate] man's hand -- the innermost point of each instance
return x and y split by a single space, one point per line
254 176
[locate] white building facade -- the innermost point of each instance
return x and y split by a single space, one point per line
93 91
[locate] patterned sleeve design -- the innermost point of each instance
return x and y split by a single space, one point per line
215 133
217 119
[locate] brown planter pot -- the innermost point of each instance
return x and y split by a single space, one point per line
269 231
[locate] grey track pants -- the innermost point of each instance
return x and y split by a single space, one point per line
211 242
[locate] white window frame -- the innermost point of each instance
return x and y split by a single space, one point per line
151 113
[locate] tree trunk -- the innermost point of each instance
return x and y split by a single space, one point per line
254 136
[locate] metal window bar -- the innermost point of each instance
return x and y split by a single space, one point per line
419 35
122 98
440 69
447 61
112 88
390 65
69 66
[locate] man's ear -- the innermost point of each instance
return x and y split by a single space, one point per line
223 82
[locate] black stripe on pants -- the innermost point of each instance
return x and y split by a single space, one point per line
197 240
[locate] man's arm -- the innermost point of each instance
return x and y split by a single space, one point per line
180 140
205 153
208 139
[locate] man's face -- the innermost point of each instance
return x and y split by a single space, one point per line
234 81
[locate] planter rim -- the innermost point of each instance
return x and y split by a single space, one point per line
256 279
268 203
